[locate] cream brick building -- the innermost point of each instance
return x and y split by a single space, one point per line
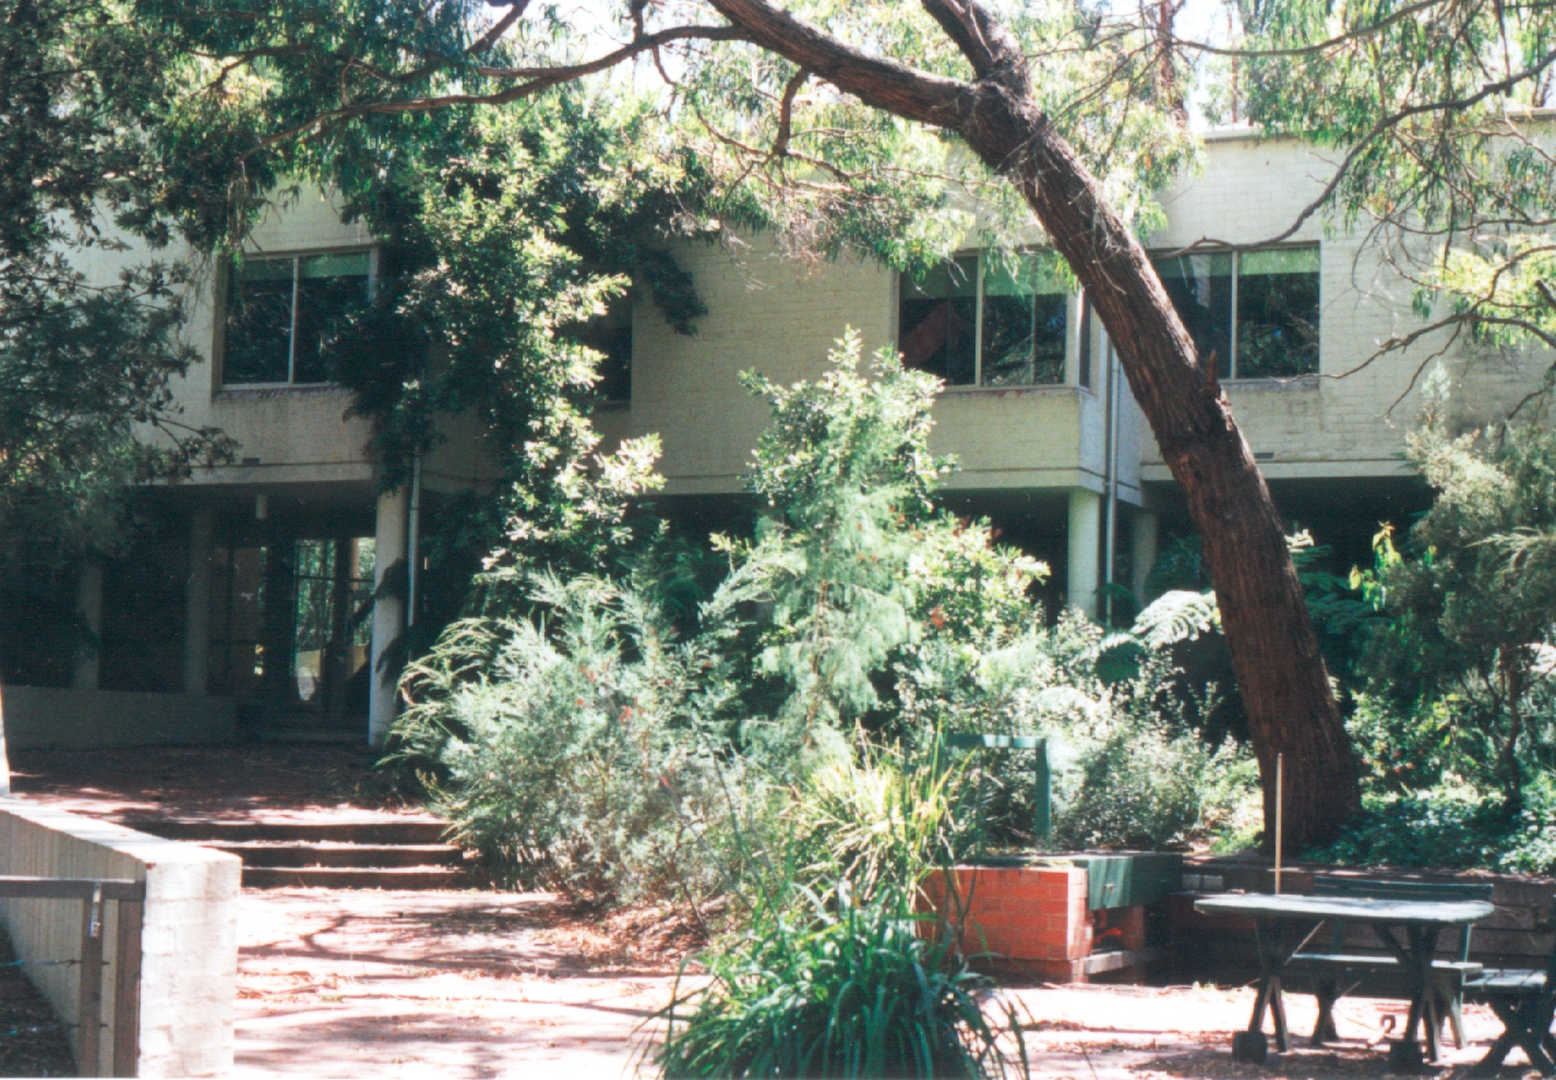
1049 441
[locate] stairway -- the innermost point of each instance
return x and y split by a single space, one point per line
383 854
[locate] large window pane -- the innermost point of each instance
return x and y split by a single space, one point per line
329 287
1024 313
1277 313
259 322
610 335
1200 286
937 331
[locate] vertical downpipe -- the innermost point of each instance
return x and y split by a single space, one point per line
1110 480
413 544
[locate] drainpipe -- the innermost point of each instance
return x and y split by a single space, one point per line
413 544
1110 444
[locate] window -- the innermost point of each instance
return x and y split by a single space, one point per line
1257 311
611 337
280 311
987 320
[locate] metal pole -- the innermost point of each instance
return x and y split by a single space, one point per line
1280 784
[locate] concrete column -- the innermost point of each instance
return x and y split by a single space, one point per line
390 539
1142 549
197 603
1084 564
89 599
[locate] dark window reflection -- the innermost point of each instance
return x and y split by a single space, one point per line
282 314
329 288
938 326
1023 310
259 322
1277 313
1200 286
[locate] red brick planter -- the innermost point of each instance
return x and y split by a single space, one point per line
1032 919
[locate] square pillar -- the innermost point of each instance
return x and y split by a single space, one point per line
197 603
1083 561
89 599
390 540
1142 550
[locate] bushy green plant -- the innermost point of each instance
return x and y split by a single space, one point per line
1471 601
574 749
878 819
837 989
854 563
1128 770
635 735
1144 787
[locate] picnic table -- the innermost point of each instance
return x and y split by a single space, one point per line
1285 922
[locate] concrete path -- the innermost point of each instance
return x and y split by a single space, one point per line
415 984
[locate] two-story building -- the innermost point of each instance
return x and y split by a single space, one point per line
252 588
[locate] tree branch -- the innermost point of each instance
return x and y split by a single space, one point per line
885 84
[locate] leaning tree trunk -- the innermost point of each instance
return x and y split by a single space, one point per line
1291 708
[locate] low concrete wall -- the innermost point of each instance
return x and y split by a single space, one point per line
189 944
46 718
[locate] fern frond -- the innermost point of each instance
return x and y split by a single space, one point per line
1179 615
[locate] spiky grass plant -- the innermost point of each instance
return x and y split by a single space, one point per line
838 990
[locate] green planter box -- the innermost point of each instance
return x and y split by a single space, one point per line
1130 879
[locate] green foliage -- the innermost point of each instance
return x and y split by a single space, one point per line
836 988
862 576
1179 615
1451 825
1143 786
1471 604
654 732
87 362
879 819
573 749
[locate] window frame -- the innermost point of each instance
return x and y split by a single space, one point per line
296 257
1234 316
1071 344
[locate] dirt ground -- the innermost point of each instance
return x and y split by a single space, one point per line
346 983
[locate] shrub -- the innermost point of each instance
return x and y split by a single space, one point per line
1471 597
1452 825
573 750
1127 768
839 989
1141 786
879 820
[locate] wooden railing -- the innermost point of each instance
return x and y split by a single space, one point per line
93 893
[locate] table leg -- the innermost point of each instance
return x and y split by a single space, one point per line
1273 953
1416 956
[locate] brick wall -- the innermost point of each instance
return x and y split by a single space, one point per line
1028 919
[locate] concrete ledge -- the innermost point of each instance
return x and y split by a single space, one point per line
47 718
189 945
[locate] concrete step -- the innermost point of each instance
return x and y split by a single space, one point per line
406 831
343 877
360 853
364 856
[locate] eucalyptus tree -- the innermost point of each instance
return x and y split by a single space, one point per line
825 118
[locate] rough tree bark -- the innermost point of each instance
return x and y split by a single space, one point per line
1291 707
